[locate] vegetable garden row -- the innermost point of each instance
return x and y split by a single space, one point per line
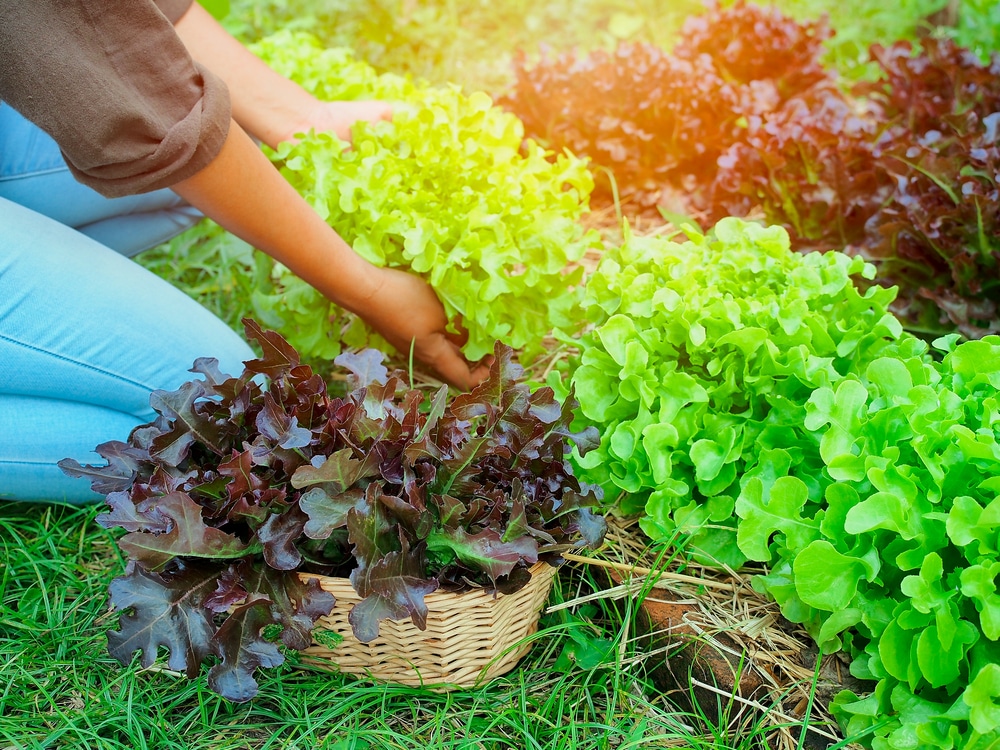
818 398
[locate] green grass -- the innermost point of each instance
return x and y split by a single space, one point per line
60 689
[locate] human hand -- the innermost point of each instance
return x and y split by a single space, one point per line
405 309
339 116
243 192
266 104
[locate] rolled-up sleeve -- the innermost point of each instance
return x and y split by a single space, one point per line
173 9
113 84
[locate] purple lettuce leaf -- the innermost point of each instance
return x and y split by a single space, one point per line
230 589
240 471
485 550
590 526
209 368
120 472
280 427
241 648
378 416
370 532
327 512
514 582
336 472
187 535
459 472
365 366
417 479
501 402
552 433
294 604
414 519
217 384
558 418
278 358
126 515
188 424
164 609
273 458
392 588
517 523
278 536
449 510
423 446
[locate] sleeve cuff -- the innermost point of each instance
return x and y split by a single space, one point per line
187 148
173 9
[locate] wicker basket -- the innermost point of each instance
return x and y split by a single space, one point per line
470 636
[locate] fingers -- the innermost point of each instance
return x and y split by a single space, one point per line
480 372
448 362
461 337
406 309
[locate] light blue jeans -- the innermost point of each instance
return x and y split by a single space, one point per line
85 333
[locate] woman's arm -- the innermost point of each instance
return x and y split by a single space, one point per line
266 104
242 191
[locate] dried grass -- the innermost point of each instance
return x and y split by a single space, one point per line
727 617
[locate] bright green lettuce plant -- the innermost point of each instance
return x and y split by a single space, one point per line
702 358
754 400
899 563
446 190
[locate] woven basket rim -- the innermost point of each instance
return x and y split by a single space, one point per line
439 594
471 635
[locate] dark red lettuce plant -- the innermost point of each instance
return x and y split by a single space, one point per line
905 171
808 166
938 234
659 121
804 155
758 45
638 113
238 486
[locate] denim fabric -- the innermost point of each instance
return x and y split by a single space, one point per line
85 333
33 174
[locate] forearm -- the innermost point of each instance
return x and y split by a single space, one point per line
246 195
243 192
265 104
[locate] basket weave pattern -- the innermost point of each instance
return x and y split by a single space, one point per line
466 634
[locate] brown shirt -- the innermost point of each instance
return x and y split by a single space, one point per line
113 84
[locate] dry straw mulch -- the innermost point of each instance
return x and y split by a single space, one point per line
706 632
